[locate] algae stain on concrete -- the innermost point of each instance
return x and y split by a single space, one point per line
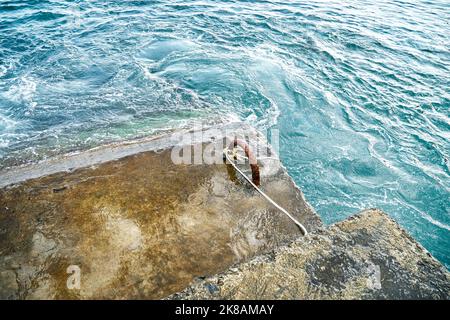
138 227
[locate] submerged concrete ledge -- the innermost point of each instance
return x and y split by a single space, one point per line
114 151
367 256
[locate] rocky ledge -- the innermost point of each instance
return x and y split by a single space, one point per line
367 256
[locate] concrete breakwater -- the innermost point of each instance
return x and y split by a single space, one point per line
131 223
135 225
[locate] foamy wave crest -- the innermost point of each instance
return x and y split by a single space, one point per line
23 92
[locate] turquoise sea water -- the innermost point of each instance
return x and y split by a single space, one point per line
358 89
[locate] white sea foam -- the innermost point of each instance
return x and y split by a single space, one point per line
6 123
7 126
3 143
436 223
3 70
23 92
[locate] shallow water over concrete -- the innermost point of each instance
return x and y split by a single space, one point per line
138 227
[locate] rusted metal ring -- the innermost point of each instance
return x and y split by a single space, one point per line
251 158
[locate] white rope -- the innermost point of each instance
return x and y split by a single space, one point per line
302 228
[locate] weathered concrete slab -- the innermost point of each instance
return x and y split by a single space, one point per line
364 257
138 225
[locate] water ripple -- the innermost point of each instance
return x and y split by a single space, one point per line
358 89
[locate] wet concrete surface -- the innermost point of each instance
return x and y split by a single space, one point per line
138 227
